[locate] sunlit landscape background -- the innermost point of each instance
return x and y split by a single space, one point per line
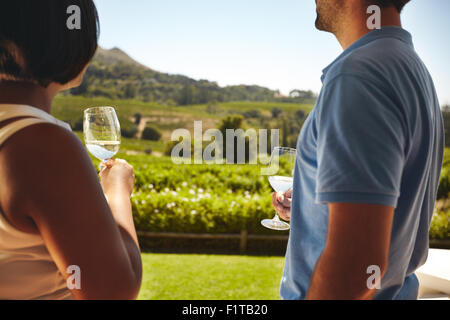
252 64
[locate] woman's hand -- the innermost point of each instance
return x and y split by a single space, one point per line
281 202
117 175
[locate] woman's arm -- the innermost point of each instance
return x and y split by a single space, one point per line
53 184
117 181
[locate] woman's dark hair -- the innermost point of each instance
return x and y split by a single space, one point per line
398 4
37 45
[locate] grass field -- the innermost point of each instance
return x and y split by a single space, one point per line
137 145
210 277
67 106
169 118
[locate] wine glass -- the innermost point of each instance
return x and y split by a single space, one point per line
284 160
101 129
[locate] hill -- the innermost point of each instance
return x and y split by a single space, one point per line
114 74
116 55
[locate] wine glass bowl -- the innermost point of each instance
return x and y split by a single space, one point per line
284 160
101 130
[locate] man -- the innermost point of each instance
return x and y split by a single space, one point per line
368 163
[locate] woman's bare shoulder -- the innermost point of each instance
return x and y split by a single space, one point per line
33 165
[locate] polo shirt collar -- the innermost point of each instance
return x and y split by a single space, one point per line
385 32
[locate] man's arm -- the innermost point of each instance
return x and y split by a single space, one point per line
358 237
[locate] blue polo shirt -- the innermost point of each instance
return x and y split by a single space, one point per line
375 136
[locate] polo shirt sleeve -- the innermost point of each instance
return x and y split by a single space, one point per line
360 143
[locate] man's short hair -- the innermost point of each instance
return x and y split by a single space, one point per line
398 4
36 44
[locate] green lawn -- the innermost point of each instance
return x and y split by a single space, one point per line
205 277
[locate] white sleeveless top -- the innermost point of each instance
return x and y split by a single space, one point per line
27 270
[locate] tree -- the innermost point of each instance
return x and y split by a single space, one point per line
300 114
128 129
151 133
137 118
231 122
285 132
129 91
234 122
186 96
203 96
276 112
82 88
446 117
252 114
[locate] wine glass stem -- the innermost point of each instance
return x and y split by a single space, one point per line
276 218
100 166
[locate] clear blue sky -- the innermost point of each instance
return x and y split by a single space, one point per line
272 43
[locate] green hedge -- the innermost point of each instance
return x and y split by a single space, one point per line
444 181
201 212
440 225
201 198
211 198
218 179
128 128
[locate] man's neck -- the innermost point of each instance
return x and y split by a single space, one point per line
25 93
356 27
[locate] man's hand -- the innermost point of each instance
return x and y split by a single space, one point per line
281 202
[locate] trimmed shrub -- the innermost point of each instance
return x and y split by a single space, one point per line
199 211
440 226
128 128
444 181
151 133
252 114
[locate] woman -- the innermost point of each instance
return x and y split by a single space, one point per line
56 226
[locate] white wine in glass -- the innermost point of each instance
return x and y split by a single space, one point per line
102 132
280 183
281 158
103 150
